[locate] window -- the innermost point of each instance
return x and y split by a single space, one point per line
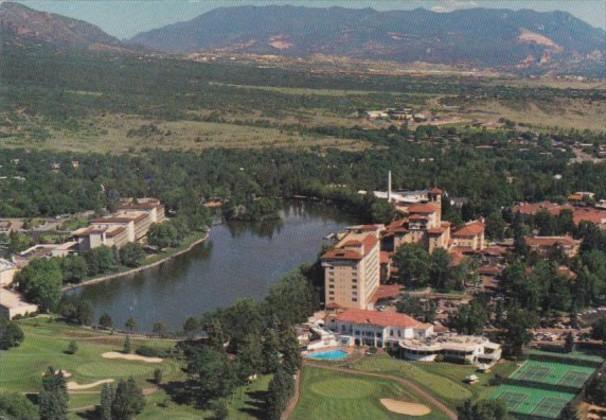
331 292
354 299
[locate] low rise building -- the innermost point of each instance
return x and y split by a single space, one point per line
475 350
12 305
544 245
470 236
153 206
7 272
130 223
377 329
102 235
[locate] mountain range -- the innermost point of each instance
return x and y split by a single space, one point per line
20 24
478 37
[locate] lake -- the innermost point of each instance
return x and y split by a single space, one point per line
238 260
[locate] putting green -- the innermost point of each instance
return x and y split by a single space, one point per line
344 388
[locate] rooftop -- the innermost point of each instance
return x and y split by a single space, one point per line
11 300
381 319
533 208
353 246
547 241
470 229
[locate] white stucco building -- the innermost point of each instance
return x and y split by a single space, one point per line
476 350
377 329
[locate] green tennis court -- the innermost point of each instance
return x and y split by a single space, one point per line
532 401
553 373
512 399
550 407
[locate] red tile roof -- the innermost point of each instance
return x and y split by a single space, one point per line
533 208
385 291
495 251
422 208
589 215
469 229
437 230
342 253
548 241
381 319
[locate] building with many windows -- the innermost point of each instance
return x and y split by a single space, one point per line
130 223
352 269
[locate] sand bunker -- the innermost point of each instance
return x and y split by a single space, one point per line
75 386
133 357
406 408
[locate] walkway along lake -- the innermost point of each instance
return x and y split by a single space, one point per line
238 260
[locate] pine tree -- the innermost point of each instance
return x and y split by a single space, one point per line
107 397
281 388
128 400
289 347
127 348
53 397
72 348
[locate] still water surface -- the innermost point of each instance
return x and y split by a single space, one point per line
238 260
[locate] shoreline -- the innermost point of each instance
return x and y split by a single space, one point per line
137 269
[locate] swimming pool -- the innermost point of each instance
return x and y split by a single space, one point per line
328 355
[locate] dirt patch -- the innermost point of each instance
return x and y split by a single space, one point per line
406 408
75 386
132 357
530 37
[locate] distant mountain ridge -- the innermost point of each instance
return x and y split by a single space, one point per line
19 23
476 37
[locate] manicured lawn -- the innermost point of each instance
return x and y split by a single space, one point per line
457 373
330 395
46 340
452 392
45 344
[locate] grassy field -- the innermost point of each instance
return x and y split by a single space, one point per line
444 380
46 341
444 388
329 395
109 134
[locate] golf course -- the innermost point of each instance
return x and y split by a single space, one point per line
96 362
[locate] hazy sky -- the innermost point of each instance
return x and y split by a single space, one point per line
125 18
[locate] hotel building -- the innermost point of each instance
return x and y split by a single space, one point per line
352 268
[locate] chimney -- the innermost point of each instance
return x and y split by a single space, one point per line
389 186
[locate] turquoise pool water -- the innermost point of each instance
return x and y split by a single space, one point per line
328 355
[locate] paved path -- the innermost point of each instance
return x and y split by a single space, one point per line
408 384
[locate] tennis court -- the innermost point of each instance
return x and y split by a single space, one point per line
532 401
550 407
553 373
